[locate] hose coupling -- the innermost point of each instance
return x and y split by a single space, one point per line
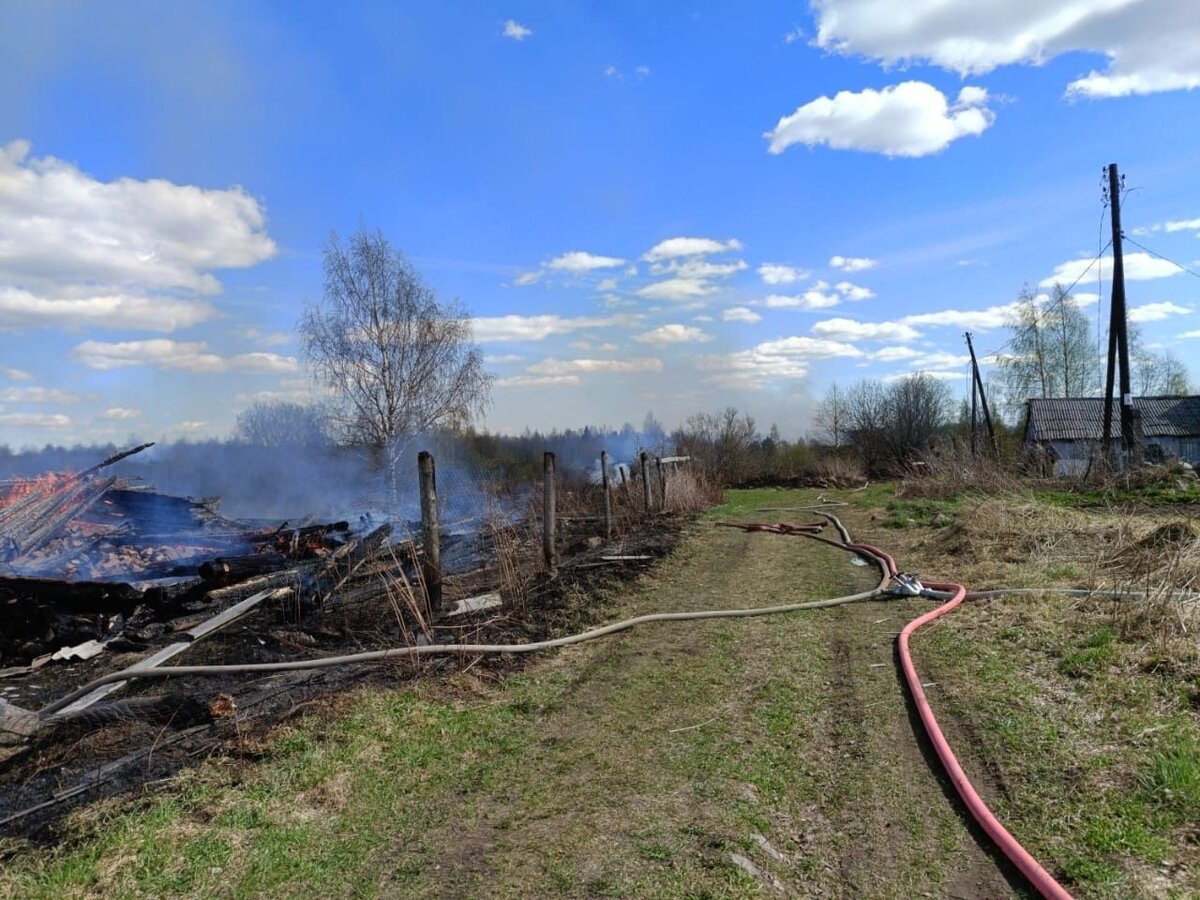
905 584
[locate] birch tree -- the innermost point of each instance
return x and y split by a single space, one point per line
397 360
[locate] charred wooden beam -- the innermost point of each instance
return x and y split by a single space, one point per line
73 596
231 569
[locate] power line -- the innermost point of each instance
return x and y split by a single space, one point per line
1095 260
1160 256
1089 267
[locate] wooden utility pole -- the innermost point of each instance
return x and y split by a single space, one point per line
974 415
431 532
607 495
978 381
548 513
1118 334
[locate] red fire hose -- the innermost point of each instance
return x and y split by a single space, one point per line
1009 846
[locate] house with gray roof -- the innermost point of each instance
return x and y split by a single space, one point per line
1070 430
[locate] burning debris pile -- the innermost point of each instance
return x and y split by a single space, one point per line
88 559
100 575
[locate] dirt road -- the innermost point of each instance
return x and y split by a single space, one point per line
736 758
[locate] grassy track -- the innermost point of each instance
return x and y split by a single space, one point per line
718 759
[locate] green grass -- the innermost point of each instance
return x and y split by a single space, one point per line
1095 802
1152 495
1171 778
1091 655
921 511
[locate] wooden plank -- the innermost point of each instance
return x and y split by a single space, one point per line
474 604
220 620
217 622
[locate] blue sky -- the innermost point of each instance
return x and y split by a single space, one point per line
664 207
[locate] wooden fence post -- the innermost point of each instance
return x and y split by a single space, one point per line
607 495
662 483
431 532
646 480
548 513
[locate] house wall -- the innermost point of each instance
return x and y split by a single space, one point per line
1178 448
1072 457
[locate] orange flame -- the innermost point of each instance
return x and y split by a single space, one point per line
44 485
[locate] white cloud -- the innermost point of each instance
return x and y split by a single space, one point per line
527 278
691 274
777 273
642 71
269 338
941 359
689 246
795 34
908 119
1138 267
121 254
189 356
537 381
852 263
15 374
611 71
939 374
515 30
851 330
579 261
1191 334
892 354
854 292
740 314
607 285
501 329
816 297
784 358
1156 312
1181 225
677 289
674 334
502 359
587 366
121 413
36 395
574 262
981 319
1153 45
695 268
34 420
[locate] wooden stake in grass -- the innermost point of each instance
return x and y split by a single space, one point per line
548 515
607 495
431 532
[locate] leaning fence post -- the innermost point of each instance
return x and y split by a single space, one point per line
548 514
607 496
646 479
662 483
431 532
